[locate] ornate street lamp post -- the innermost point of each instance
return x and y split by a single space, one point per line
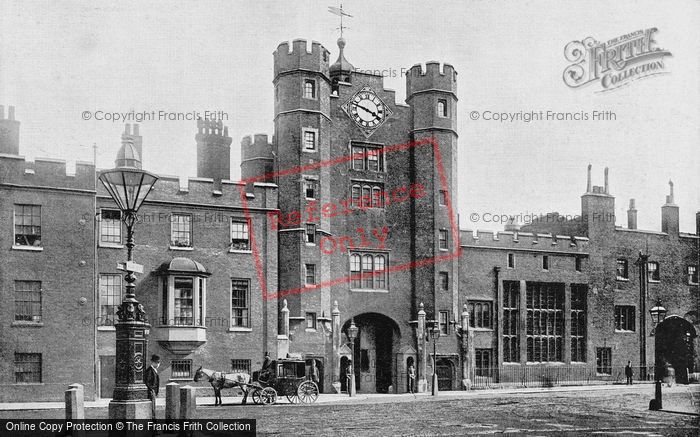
434 333
352 335
658 314
128 186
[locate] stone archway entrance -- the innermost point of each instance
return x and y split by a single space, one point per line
674 346
378 337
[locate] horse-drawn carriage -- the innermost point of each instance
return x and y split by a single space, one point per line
285 376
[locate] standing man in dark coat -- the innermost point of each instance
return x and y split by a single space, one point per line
629 372
152 381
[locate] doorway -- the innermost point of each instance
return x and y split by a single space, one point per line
674 347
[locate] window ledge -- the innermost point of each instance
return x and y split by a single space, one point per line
620 278
368 290
183 248
26 324
28 248
106 328
482 329
654 281
239 329
110 245
624 331
29 383
310 330
239 251
180 379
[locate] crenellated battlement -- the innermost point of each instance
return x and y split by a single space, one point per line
298 55
257 146
434 76
204 192
523 241
212 130
45 172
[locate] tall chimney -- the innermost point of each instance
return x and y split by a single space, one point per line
670 214
632 216
9 132
589 184
213 151
607 191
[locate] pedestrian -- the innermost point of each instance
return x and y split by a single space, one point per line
152 381
629 372
266 361
411 379
349 375
314 371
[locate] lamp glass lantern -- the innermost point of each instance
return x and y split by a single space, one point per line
658 313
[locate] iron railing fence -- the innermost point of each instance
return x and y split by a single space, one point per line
553 375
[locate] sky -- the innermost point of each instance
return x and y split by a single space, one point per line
60 59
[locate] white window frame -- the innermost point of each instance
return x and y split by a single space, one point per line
314 90
173 223
304 131
657 270
36 247
306 276
444 232
116 244
312 227
199 301
378 284
690 275
247 327
107 321
240 220
446 112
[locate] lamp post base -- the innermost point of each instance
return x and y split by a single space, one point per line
435 391
125 410
352 391
422 385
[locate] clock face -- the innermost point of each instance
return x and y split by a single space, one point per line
367 110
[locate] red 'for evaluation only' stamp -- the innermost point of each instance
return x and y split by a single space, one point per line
356 203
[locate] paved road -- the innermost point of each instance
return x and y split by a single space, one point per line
603 412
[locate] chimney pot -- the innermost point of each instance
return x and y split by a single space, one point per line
136 129
11 113
2 112
632 216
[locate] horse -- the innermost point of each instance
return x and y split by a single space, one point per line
219 380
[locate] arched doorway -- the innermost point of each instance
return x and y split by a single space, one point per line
674 347
378 336
343 374
444 372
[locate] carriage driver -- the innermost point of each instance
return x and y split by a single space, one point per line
265 371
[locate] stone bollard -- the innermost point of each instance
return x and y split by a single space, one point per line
172 401
75 402
75 407
188 403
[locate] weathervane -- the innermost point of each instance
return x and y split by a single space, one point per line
341 13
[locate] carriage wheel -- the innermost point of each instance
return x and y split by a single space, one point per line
257 396
290 390
307 392
268 396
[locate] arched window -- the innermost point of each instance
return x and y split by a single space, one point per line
355 270
380 273
366 196
377 197
309 89
367 270
356 193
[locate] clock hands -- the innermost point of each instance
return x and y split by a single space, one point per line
374 114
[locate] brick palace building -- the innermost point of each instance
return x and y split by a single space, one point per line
568 299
